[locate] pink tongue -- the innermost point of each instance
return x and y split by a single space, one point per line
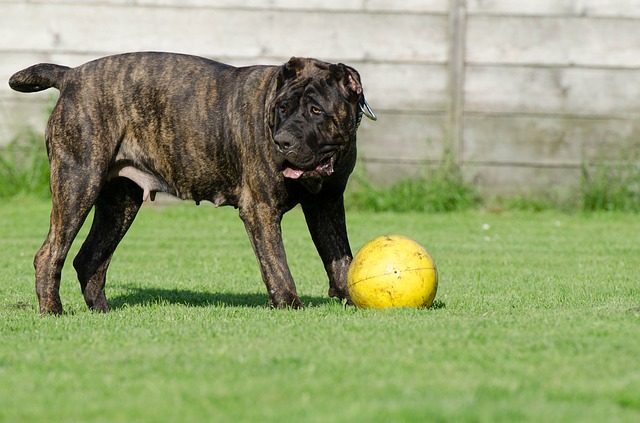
292 173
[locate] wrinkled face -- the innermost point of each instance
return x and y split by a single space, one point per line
314 116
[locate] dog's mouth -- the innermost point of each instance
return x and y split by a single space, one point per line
324 168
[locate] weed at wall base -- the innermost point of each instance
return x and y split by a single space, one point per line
24 167
611 187
442 190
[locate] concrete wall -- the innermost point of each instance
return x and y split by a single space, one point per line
521 92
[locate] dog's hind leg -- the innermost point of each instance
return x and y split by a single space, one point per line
79 153
72 199
116 207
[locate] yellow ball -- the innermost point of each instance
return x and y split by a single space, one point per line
392 271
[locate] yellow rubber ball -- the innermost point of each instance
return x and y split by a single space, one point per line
392 271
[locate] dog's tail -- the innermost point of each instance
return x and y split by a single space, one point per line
38 78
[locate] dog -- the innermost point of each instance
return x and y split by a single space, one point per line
260 138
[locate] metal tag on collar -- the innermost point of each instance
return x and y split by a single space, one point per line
366 109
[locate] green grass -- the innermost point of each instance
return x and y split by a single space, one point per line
536 319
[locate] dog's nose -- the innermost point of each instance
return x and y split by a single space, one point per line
285 141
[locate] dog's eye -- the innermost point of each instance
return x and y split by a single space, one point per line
282 109
315 110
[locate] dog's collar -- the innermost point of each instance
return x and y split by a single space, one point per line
366 110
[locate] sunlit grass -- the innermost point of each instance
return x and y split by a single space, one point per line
535 320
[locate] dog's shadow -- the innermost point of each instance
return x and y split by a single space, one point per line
135 296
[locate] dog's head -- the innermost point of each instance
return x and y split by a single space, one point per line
314 117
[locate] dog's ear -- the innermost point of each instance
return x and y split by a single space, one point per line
350 83
353 80
349 79
293 67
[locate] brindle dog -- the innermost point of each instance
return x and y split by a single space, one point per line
259 138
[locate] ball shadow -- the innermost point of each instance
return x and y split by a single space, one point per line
437 305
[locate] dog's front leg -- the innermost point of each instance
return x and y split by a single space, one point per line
262 223
326 220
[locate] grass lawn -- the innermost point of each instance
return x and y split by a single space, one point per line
537 318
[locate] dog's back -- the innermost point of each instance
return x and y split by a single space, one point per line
126 66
